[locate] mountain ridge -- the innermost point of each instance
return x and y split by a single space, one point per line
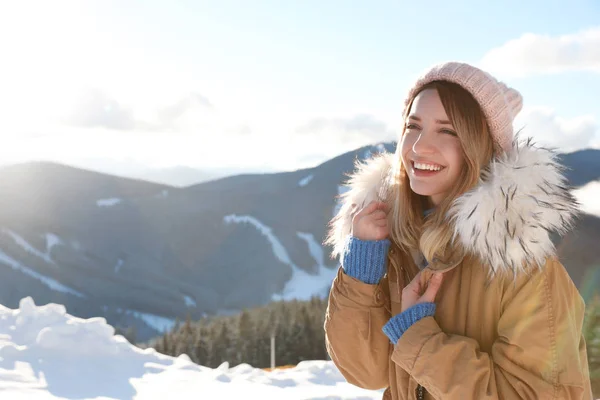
103 245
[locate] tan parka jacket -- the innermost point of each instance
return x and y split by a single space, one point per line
503 328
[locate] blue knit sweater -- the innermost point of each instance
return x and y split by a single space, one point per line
367 262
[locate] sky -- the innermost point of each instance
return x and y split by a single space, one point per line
272 85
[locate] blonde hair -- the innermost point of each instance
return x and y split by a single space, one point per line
433 235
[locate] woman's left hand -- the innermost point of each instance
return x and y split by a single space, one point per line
413 294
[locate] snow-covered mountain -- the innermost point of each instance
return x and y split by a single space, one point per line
142 254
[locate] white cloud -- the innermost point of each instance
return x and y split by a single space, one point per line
189 112
359 128
549 129
588 198
94 108
191 100
321 139
539 54
182 112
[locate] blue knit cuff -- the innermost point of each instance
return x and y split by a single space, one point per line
400 323
365 260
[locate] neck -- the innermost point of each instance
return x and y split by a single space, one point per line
428 202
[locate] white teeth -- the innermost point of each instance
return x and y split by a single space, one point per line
429 167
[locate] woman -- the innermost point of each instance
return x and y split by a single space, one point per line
449 286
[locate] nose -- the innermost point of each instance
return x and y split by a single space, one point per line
423 144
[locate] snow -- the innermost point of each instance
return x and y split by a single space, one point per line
118 265
368 153
45 353
29 248
278 249
51 283
108 202
315 249
589 198
51 241
161 324
189 301
302 285
305 181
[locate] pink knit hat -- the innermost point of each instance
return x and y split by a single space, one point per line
499 103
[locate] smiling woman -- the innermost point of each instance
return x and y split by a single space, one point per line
449 286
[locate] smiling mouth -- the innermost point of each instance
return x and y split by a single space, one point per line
426 167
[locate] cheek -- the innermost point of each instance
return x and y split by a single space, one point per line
406 144
455 155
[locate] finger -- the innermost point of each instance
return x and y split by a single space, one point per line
432 288
358 210
371 207
385 207
380 222
377 215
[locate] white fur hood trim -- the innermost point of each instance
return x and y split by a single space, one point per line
505 220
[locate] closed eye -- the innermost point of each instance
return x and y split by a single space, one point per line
449 132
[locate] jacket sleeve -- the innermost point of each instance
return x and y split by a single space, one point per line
356 313
539 354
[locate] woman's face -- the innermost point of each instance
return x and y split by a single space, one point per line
431 151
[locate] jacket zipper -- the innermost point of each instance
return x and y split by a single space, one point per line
420 392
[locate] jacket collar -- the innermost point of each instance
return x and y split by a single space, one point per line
505 221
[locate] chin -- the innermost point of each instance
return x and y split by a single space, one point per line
424 191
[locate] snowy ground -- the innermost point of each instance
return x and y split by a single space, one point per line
46 353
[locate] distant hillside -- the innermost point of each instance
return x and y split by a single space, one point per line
583 166
142 254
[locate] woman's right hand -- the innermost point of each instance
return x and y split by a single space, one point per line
370 222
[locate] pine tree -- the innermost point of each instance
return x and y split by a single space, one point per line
286 349
244 337
303 337
176 326
164 345
184 338
201 349
173 340
318 308
221 345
